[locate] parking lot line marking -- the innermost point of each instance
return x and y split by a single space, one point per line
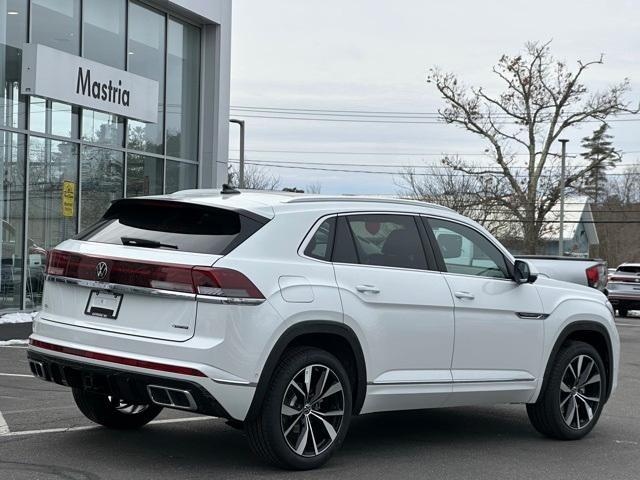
16 375
4 428
627 325
93 427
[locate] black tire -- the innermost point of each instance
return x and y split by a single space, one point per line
623 312
266 432
547 416
103 410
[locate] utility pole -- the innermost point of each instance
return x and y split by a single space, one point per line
563 141
241 168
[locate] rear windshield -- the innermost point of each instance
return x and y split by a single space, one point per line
628 269
173 226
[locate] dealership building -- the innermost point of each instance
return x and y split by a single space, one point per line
102 99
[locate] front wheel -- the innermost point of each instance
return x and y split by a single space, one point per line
572 400
112 412
306 411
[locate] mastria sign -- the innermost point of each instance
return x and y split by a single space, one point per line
50 73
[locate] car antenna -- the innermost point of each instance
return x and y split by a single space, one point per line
228 189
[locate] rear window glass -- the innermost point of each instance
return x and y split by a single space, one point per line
628 269
321 244
172 226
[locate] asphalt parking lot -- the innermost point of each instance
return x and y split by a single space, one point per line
43 436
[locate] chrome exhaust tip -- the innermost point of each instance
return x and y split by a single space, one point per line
171 397
37 369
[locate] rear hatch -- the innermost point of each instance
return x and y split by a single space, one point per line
141 269
625 281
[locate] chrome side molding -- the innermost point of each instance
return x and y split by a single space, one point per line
532 315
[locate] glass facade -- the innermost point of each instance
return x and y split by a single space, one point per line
183 82
63 165
146 55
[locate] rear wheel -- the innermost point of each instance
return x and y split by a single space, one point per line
306 412
114 413
572 400
623 312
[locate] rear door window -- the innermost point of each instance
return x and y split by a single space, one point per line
173 225
387 240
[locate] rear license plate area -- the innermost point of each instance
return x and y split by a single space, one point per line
103 304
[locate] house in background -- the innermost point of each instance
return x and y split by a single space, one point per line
580 235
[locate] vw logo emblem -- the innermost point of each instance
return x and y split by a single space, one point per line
101 270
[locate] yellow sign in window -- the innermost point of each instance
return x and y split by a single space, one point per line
68 198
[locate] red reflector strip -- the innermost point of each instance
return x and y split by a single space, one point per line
115 359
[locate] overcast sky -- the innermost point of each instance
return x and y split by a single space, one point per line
373 55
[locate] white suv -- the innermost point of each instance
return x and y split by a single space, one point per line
289 314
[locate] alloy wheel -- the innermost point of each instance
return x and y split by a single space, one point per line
580 392
312 410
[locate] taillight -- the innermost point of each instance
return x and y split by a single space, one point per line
57 262
211 281
593 275
223 282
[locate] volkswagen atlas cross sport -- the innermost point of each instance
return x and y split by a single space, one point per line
289 314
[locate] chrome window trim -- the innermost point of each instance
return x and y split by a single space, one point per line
317 224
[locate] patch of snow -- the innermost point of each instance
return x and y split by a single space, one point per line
17 317
11 343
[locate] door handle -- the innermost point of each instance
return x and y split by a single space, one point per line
367 289
465 295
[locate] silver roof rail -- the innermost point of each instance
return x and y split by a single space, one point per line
347 198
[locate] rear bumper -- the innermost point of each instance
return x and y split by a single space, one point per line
128 377
126 385
624 300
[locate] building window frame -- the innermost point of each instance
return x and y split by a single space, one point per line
80 144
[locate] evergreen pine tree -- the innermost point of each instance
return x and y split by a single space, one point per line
600 153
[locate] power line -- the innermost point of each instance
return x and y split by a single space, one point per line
320 111
397 165
432 174
406 122
400 154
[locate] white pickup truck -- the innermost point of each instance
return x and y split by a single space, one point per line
590 272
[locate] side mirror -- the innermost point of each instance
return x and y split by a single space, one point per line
523 273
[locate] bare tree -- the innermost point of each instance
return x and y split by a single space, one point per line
541 99
255 178
475 196
625 188
315 187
